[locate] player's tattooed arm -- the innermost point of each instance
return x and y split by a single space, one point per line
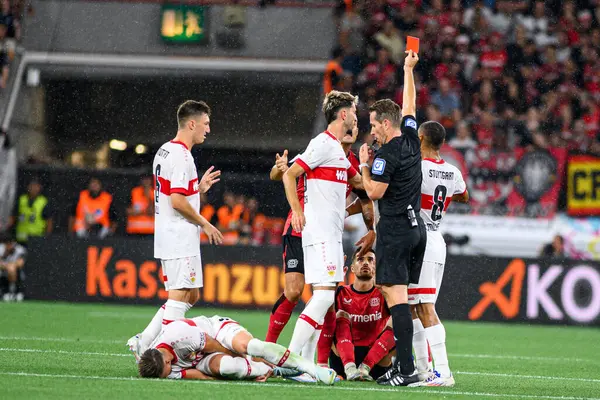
181 205
212 346
197 375
366 242
354 208
289 183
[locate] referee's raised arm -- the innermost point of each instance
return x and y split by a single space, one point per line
393 177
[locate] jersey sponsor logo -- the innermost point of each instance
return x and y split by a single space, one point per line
366 317
196 186
341 175
331 270
374 302
410 123
293 263
378 166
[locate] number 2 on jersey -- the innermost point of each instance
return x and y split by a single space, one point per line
157 190
439 201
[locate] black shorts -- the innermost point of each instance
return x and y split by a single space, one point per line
293 254
399 251
360 352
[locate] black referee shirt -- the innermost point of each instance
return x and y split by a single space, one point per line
398 163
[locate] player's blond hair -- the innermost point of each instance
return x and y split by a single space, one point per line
387 109
335 101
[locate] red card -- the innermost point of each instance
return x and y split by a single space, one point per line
412 43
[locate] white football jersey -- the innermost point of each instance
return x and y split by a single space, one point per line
175 172
327 171
440 182
185 341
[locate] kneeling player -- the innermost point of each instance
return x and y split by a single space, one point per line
184 344
362 335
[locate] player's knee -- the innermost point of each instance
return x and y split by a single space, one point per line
414 311
427 314
293 293
233 367
324 297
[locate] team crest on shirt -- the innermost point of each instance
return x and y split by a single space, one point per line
293 263
331 269
193 277
411 123
378 166
374 302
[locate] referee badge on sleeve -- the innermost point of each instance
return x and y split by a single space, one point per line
410 123
378 166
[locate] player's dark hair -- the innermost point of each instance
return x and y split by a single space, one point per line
387 109
191 108
434 134
369 250
334 102
151 364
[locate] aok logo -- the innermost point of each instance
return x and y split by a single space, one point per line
537 294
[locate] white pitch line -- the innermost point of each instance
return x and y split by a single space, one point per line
528 358
309 386
56 339
85 353
82 353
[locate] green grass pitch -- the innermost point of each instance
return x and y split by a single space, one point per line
64 351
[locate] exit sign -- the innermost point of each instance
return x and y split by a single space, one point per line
181 23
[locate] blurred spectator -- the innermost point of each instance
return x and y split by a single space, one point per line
478 10
253 224
7 18
333 70
229 215
390 39
447 102
464 138
208 212
94 213
537 22
32 217
12 261
4 58
496 57
554 249
381 74
140 215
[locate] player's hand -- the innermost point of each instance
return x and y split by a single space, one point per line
366 242
214 235
208 179
411 59
366 154
264 378
281 162
298 220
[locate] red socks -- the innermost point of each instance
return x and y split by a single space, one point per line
282 311
326 338
381 348
344 344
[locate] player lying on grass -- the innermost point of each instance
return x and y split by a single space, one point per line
185 349
362 334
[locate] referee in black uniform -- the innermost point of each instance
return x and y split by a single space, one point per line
394 178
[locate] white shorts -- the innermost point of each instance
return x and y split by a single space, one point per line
432 271
222 329
182 273
204 364
324 262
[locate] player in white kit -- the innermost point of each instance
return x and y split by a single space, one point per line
441 184
177 219
328 172
218 346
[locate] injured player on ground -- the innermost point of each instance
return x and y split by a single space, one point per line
202 347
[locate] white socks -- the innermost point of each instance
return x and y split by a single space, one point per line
436 336
280 356
242 368
312 316
420 346
310 348
174 310
153 328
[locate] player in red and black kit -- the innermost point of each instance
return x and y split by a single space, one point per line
362 334
293 258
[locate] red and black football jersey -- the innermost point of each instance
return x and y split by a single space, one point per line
368 313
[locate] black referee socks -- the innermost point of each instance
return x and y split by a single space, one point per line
403 333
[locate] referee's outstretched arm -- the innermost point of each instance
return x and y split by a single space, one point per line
409 96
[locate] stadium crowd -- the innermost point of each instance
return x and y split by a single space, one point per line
497 74
10 34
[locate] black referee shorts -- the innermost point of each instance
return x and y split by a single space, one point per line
293 254
360 352
399 251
